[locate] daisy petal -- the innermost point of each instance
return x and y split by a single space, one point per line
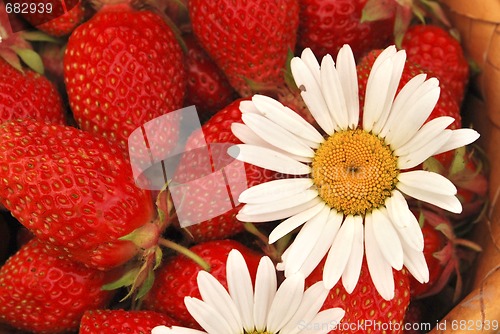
446 202
333 93
387 239
459 138
280 204
346 69
380 270
428 181
207 316
397 207
312 63
328 320
265 290
268 159
416 264
418 156
293 222
282 214
305 240
376 93
214 294
175 330
324 243
353 268
339 253
287 119
411 234
311 94
248 107
286 302
240 287
273 190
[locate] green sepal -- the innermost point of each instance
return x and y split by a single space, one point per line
376 10
126 280
146 285
38 36
31 59
458 163
289 80
421 219
158 257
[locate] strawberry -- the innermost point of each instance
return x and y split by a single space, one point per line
446 105
365 310
248 40
123 68
209 193
121 321
435 49
176 278
444 253
326 25
73 191
43 293
207 86
414 323
54 18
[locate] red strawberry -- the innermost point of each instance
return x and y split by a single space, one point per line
365 310
446 105
176 279
121 321
123 68
207 86
210 193
73 191
248 40
43 293
435 49
54 18
414 323
442 254
326 25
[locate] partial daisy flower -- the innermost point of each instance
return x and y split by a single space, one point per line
348 183
263 310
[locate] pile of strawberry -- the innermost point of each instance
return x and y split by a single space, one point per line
84 249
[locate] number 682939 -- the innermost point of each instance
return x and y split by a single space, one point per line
28 8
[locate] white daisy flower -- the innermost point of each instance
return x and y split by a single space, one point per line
348 182
263 310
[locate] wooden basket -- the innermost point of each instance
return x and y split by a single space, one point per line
478 23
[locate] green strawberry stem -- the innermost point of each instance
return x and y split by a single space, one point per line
186 252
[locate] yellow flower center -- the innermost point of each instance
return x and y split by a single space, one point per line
354 171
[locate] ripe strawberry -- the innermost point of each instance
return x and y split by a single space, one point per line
121 321
326 25
365 310
210 194
435 49
43 293
60 20
176 278
442 253
73 191
207 86
414 318
248 40
123 68
446 105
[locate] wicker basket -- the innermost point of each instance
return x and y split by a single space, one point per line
478 23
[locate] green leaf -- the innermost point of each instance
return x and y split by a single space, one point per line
126 280
458 163
146 285
31 59
38 36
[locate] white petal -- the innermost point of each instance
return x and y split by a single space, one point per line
397 208
459 138
422 102
418 156
324 243
305 240
328 320
240 287
353 268
282 214
280 204
313 299
416 265
380 270
286 302
333 93
175 330
446 202
411 234
428 181
287 119
293 222
207 316
273 190
268 159
425 135
346 69
312 63
215 295
387 239
339 253
311 94
248 107
265 290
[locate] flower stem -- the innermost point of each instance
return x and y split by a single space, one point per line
186 252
